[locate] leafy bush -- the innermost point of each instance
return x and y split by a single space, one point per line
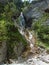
41 29
2 30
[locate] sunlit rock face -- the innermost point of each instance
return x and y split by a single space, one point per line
35 11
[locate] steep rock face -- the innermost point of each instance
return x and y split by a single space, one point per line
35 10
3 50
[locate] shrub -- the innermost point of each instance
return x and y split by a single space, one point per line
41 29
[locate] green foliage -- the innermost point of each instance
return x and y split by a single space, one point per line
18 4
42 29
26 3
13 33
14 38
1 8
2 30
44 34
10 34
10 10
8 31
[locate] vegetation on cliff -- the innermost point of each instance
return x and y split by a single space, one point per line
15 42
41 27
8 31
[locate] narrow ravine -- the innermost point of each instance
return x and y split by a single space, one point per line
24 32
35 55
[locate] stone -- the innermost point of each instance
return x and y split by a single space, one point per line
45 58
39 62
3 50
18 49
35 11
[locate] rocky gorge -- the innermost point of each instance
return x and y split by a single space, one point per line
30 53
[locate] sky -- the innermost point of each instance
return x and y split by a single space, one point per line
27 0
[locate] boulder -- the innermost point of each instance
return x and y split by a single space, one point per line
45 58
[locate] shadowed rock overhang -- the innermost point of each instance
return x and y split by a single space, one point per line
35 11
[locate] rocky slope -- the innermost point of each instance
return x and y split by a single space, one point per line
35 11
32 55
36 55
